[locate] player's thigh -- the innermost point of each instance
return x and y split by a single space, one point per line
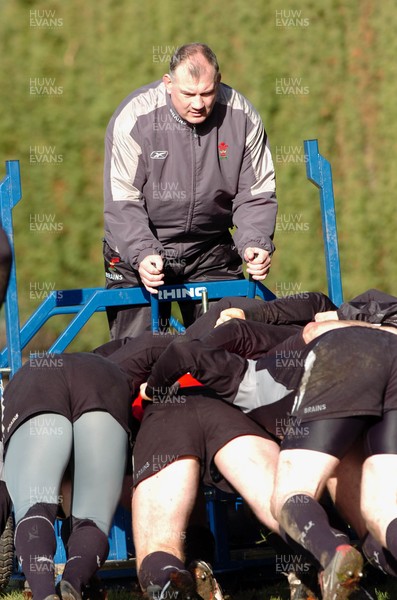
100 452
379 493
249 463
37 456
344 487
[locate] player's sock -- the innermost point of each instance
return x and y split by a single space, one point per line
87 550
378 556
391 537
305 520
35 546
5 506
290 550
157 567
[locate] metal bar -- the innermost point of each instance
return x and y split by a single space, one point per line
84 302
251 288
319 172
10 195
204 300
154 303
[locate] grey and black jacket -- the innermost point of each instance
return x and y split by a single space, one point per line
373 306
169 185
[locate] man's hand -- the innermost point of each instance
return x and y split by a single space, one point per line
142 390
151 272
328 315
230 313
258 263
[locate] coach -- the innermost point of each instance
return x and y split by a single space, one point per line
186 159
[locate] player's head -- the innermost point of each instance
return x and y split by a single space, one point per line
192 81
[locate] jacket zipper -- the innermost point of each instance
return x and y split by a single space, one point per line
194 137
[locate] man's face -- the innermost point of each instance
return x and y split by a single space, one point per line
193 98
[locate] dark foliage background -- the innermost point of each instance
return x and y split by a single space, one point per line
324 70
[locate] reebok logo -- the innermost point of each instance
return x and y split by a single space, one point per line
159 154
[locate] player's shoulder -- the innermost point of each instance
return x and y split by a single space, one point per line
141 101
236 101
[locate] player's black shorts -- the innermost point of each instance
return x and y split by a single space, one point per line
348 372
67 384
192 424
330 436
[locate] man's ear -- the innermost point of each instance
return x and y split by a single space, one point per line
167 82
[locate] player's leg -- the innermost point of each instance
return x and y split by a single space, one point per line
161 507
304 467
379 488
100 454
168 455
249 462
37 455
347 476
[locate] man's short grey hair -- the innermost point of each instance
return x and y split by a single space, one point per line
187 52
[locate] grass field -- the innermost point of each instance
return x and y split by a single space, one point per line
235 586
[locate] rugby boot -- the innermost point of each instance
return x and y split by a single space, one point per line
181 586
341 577
66 591
300 590
361 594
206 585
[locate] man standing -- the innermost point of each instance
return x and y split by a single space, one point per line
186 159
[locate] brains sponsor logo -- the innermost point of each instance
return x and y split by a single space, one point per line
313 409
114 276
14 418
142 470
